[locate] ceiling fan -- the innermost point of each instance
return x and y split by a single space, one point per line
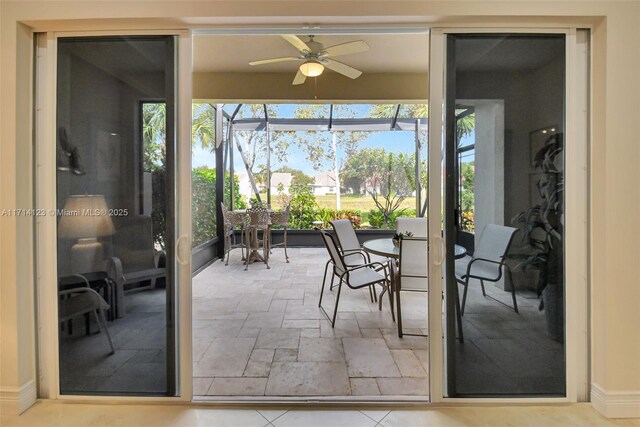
316 57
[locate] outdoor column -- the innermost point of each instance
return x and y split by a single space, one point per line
219 179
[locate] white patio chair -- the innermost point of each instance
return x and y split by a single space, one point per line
352 251
487 261
357 277
416 226
412 273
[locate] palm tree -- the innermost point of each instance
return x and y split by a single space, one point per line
203 125
406 110
464 125
154 131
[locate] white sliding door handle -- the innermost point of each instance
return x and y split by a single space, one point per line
440 249
182 249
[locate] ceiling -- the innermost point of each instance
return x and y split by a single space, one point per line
397 53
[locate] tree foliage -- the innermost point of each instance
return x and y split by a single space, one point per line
406 110
298 177
203 125
154 131
203 203
388 178
317 145
464 125
253 144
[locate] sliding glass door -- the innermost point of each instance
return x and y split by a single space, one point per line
503 162
115 188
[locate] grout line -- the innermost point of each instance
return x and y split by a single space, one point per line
377 422
383 418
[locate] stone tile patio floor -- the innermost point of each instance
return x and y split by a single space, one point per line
260 333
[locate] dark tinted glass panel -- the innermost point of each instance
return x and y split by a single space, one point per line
115 148
505 207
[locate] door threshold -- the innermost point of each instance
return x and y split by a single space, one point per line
313 400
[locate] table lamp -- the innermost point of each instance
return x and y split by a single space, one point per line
86 218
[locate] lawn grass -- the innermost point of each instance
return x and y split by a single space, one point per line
348 202
358 203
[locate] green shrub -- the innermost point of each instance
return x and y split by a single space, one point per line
327 215
203 203
203 212
411 213
354 216
376 217
303 207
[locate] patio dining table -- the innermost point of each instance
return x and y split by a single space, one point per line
254 255
386 248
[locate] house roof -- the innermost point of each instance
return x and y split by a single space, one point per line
283 178
325 179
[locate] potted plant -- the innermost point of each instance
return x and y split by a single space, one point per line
542 233
398 236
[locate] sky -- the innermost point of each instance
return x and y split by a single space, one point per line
396 141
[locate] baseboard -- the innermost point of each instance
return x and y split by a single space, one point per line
16 400
616 404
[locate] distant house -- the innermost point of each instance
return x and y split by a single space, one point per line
245 186
281 179
325 183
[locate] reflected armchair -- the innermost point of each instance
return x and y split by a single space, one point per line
83 300
487 261
134 258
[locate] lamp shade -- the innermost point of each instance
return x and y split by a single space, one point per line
84 217
311 69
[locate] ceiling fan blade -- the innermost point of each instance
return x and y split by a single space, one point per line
345 49
299 78
296 42
341 68
273 60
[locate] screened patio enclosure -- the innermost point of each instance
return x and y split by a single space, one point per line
362 161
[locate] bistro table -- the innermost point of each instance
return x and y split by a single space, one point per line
386 248
253 244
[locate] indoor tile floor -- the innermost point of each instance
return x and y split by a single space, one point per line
139 362
260 333
56 414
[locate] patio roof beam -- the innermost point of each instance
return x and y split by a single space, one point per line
235 112
340 125
395 117
465 113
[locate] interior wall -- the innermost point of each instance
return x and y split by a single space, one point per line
397 87
519 120
101 115
615 186
489 163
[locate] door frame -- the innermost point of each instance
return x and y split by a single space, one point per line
577 350
45 69
577 87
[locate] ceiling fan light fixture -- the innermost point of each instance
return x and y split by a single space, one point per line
311 69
